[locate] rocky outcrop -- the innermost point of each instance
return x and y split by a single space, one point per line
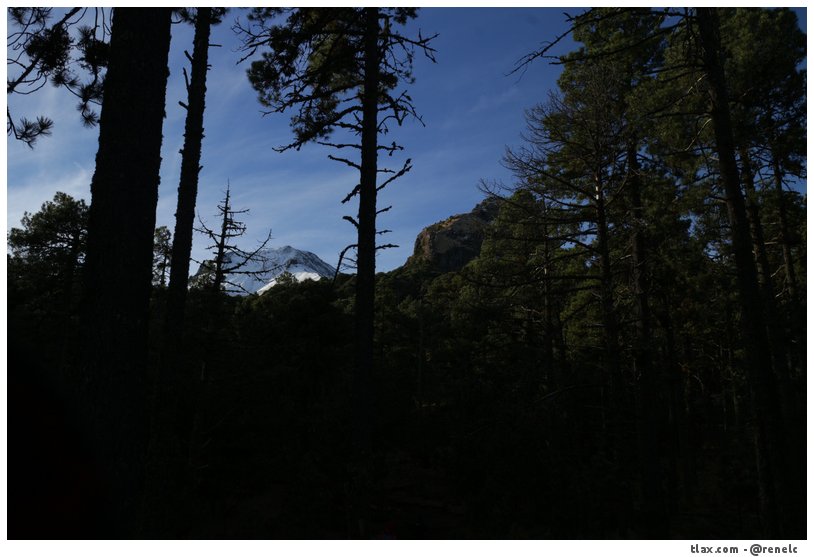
452 243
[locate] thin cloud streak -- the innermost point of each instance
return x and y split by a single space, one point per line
31 195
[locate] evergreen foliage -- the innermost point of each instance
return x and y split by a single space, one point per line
162 255
64 53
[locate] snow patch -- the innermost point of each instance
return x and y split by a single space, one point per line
299 277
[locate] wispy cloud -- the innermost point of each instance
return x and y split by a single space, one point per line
491 102
30 195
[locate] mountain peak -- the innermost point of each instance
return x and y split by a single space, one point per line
271 263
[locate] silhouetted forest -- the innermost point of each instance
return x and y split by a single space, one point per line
612 345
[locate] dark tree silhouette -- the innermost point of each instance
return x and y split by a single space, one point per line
338 69
204 18
572 161
118 268
175 383
47 252
770 440
227 257
53 237
162 255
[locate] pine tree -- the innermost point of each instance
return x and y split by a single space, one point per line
118 265
53 238
47 254
339 68
204 19
162 255
572 161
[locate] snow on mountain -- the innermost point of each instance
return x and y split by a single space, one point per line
273 262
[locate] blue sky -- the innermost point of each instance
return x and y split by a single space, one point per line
471 108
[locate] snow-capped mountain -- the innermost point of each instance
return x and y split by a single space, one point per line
263 273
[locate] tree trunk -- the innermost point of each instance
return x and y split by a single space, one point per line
188 184
650 403
362 388
791 406
770 445
777 338
677 491
606 294
785 236
756 228
366 260
549 373
119 259
613 402
67 307
169 477
221 253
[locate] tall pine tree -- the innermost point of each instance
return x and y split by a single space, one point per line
118 266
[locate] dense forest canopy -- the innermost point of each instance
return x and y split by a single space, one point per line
611 344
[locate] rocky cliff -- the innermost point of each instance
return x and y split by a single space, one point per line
452 243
